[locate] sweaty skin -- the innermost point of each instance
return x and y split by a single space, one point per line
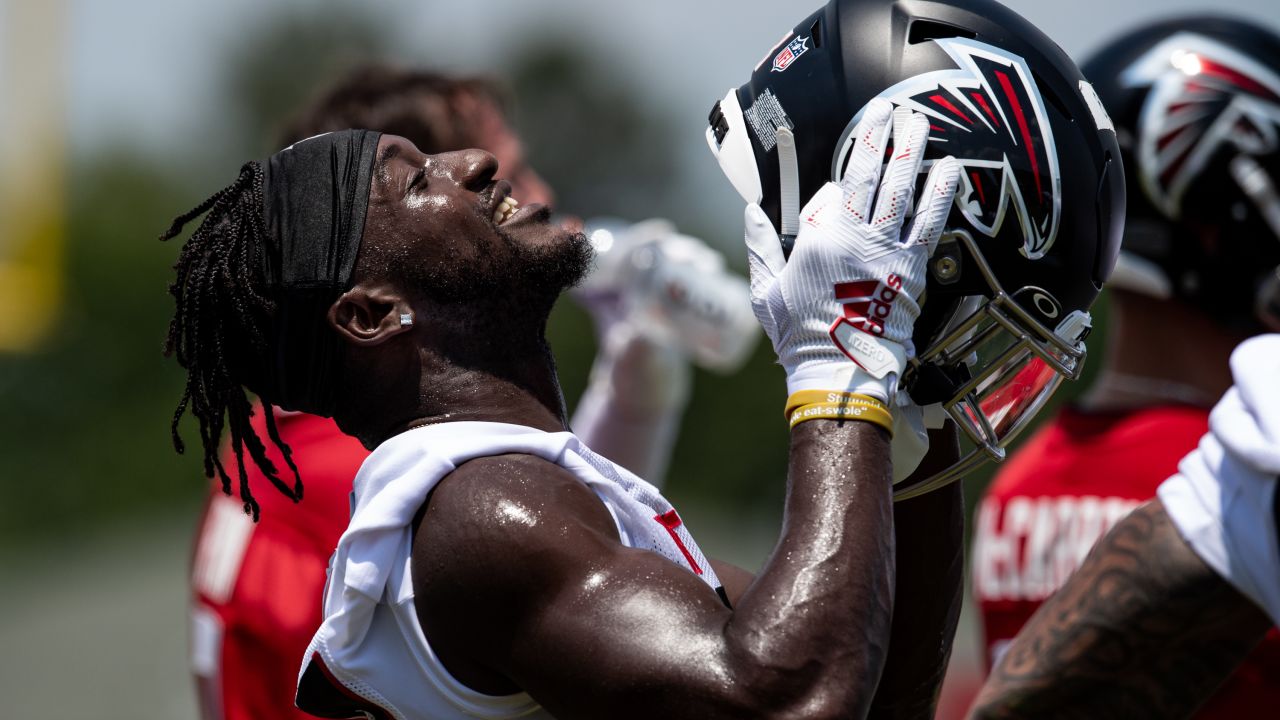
1144 629
521 582
430 224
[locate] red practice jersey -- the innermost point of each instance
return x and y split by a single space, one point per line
1058 495
257 589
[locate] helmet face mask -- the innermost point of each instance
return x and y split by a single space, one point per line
1005 366
1037 218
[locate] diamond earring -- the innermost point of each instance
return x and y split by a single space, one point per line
406 319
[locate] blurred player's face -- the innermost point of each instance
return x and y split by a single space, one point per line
444 227
496 136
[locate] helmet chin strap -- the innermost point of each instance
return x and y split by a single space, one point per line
1259 188
789 189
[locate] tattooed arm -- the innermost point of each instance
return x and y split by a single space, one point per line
1143 629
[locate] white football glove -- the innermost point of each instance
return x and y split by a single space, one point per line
841 311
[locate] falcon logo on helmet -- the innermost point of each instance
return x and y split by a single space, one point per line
989 115
1040 206
1204 96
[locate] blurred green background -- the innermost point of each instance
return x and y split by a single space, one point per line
85 420
85 423
152 106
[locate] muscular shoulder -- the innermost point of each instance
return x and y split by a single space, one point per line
509 496
496 539
494 521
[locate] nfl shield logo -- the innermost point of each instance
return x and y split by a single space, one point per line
790 54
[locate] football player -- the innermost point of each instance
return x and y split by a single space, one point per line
1150 625
1179 592
494 565
257 587
1196 103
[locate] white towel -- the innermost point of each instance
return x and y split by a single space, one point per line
1222 499
390 663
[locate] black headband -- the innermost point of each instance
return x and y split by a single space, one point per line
316 195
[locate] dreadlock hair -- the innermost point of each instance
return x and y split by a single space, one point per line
219 331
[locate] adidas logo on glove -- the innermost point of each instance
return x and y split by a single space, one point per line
866 306
867 303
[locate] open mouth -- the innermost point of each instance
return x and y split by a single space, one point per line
497 197
504 210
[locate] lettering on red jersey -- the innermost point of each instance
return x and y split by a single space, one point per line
1027 551
224 538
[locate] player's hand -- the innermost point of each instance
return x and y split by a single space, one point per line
841 311
657 292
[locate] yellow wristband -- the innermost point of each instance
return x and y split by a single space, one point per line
835 397
843 411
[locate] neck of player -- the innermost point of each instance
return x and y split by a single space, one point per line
1160 352
517 385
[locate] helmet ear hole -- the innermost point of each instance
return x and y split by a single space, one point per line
815 32
926 30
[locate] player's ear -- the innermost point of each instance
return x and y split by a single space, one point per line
370 315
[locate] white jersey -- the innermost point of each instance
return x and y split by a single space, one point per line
370 655
1223 499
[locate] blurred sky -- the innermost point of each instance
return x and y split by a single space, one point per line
142 67
145 71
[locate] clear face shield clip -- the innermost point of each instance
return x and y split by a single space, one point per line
1004 366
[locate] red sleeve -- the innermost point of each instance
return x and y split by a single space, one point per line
258 588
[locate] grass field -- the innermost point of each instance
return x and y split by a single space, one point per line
96 629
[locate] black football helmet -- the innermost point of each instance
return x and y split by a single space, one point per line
1038 214
1196 104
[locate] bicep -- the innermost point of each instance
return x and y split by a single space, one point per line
1142 606
630 635
551 600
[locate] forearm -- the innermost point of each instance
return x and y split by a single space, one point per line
929 591
1143 629
817 618
631 409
